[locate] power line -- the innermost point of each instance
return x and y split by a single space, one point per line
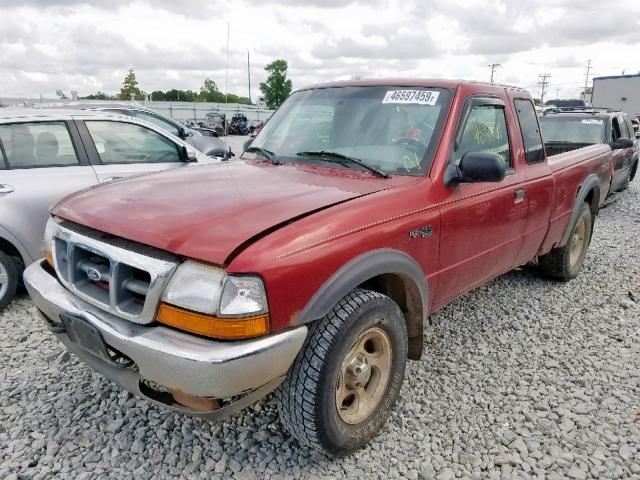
586 79
493 67
543 85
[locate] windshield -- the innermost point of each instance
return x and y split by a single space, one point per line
392 129
572 129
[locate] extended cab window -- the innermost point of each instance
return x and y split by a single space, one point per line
530 129
121 142
484 131
38 144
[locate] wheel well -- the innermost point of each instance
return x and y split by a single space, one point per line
634 169
8 248
402 290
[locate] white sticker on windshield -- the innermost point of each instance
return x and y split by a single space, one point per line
593 121
422 97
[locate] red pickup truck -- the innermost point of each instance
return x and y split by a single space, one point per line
310 265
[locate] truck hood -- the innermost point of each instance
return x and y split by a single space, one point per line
211 212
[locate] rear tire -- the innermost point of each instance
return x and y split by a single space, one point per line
8 279
634 170
564 263
347 377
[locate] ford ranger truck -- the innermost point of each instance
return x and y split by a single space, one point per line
310 266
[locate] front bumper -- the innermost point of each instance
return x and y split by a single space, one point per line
245 370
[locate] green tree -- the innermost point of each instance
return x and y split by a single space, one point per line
277 87
99 96
130 86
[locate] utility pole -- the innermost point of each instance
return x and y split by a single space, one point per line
493 67
543 85
558 92
226 82
249 74
586 78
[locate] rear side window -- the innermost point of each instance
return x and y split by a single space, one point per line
530 130
485 131
624 128
37 145
121 142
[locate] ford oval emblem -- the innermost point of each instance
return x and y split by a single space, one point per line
94 274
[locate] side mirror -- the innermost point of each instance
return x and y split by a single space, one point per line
188 156
476 167
621 143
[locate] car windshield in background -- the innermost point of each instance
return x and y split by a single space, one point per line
579 130
392 129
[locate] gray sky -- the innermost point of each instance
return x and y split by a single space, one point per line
47 45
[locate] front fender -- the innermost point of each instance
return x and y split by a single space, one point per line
366 267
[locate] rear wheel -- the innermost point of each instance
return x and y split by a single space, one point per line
634 170
565 262
347 377
8 279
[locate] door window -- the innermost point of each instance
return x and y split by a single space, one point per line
616 133
485 131
169 127
41 144
121 142
530 129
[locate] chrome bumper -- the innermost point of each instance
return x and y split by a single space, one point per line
172 359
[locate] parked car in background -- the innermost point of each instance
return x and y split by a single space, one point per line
311 265
209 145
216 121
566 103
46 154
239 125
564 131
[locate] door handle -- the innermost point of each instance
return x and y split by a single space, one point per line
518 195
111 179
6 188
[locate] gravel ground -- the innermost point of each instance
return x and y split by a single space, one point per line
522 378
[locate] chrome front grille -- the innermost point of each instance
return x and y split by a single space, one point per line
121 277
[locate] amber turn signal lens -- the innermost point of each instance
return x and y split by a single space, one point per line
48 257
210 326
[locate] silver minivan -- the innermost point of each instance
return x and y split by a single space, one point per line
48 154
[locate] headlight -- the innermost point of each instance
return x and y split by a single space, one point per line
195 286
243 296
49 233
206 300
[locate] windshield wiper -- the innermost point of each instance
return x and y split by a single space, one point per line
339 157
268 154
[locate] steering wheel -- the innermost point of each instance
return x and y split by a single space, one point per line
413 154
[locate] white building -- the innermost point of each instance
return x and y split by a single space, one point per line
620 92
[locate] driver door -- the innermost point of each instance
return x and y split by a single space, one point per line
482 224
120 149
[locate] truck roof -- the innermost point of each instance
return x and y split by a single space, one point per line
412 82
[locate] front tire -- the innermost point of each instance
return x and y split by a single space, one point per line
564 263
347 377
8 279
